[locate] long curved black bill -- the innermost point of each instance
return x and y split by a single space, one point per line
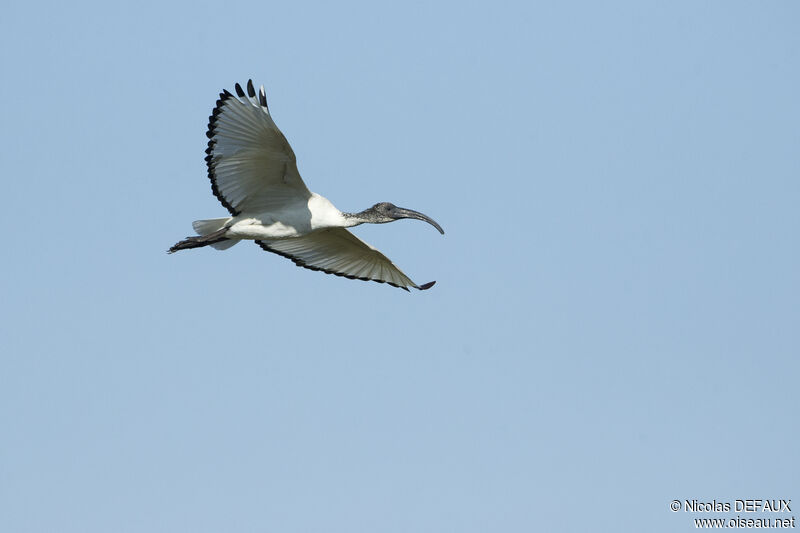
400 212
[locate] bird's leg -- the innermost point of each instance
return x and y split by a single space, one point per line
199 241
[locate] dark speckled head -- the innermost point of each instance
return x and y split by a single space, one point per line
387 212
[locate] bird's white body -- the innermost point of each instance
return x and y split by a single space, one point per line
253 173
292 220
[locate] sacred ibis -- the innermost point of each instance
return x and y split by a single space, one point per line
253 173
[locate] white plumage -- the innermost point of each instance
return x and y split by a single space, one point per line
253 173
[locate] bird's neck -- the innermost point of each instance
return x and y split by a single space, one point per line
354 219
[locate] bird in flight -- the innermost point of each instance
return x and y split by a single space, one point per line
253 173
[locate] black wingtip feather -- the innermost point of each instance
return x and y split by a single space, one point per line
262 98
426 286
251 91
239 91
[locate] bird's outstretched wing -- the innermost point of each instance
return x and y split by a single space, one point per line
337 251
250 163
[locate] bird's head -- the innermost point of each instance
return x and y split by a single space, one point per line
386 212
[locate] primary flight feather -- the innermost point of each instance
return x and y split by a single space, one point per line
253 173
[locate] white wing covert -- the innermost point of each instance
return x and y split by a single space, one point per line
250 163
337 251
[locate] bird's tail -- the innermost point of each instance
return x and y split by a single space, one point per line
211 233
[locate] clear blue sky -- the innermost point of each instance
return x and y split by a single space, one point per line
615 323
